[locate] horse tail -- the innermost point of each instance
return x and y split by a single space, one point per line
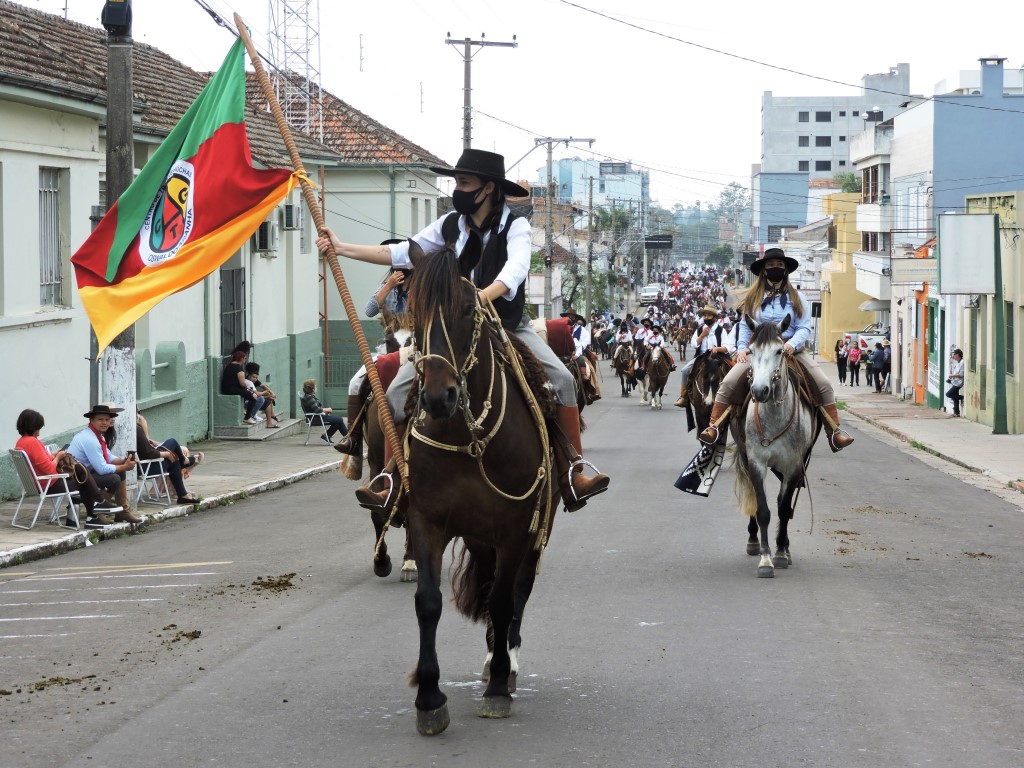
744 486
471 585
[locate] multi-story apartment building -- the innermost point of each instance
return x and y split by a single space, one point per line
808 137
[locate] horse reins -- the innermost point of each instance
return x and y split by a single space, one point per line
478 443
794 416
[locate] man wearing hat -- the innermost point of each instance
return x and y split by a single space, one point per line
710 337
89 447
494 248
656 338
772 298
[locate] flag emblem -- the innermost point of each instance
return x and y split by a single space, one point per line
169 222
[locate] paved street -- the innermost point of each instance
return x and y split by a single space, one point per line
893 640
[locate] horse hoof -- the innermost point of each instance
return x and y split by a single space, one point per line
765 572
495 707
753 548
782 559
409 572
433 721
382 568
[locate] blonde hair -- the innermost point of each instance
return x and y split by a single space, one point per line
750 300
308 386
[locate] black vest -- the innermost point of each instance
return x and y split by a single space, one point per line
493 258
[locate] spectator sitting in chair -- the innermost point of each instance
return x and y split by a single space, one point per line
174 461
311 404
89 447
252 376
97 509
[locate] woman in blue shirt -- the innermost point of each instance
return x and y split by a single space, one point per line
771 298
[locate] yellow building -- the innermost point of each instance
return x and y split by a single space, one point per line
840 299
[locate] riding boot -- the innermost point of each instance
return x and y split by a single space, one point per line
710 435
837 437
684 397
352 443
382 500
575 488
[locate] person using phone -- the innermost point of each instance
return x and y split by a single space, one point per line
90 448
30 423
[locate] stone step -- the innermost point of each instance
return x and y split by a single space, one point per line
258 432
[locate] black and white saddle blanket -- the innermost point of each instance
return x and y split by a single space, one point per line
699 475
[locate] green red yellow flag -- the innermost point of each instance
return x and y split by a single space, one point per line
190 208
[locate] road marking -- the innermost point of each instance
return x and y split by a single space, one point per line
120 576
85 602
139 566
35 637
67 618
99 589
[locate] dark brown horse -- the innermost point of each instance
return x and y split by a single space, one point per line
480 469
623 361
705 377
657 376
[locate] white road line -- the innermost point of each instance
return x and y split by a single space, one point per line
85 602
101 589
119 576
34 637
67 618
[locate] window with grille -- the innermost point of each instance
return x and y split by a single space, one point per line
803 141
803 117
803 165
823 141
1009 337
823 117
50 267
232 309
823 165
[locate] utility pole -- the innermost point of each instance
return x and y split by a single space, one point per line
467 60
590 247
549 240
119 358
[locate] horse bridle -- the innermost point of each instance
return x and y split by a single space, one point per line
477 441
781 370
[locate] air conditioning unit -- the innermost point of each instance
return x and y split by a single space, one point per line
264 240
292 216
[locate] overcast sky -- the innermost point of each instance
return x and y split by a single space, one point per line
687 108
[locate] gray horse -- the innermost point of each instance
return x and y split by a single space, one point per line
777 434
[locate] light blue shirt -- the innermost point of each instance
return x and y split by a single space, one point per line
799 330
87 449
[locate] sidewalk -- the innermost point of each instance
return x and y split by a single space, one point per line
231 469
958 440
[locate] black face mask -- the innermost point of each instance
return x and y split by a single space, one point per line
776 274
709 321
465 202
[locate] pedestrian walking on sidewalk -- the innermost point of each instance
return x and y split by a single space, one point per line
876 366
853 363
956 380
842 353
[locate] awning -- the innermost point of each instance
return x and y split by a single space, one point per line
875 305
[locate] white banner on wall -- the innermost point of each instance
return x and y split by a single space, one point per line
966 246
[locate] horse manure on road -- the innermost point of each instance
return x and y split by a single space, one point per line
274 583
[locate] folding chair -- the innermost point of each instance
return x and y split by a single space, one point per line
314 418
52 488
152 475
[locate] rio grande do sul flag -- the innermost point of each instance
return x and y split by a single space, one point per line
190 208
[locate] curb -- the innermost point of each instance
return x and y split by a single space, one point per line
92 536
908 439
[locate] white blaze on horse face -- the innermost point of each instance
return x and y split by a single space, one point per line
764 363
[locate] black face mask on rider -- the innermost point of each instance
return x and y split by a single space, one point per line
466 203
709 321
775 274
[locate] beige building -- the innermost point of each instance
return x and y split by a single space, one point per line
840 299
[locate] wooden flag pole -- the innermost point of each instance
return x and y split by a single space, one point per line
386 420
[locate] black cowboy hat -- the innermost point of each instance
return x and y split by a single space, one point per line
489 166
574 317
647 321
103 408
658 326
774 253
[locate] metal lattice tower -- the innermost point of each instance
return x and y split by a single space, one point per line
293 33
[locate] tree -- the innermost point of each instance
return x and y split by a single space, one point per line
850 182
721 256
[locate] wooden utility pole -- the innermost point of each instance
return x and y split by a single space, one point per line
549 239
118 362
467 60
590 246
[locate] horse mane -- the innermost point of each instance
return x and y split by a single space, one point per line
765 333
436 285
